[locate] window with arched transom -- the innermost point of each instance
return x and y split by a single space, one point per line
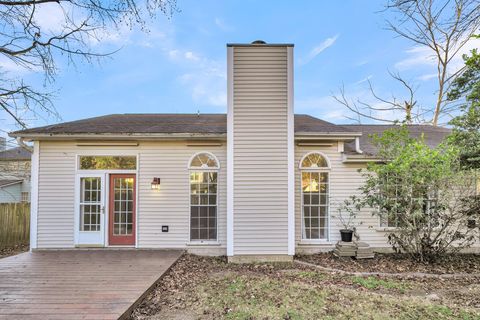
315 172
203 170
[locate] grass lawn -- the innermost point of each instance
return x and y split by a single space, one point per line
209 288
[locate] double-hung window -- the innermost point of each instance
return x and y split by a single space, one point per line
203 197
315 170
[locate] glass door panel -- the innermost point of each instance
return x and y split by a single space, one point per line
122 209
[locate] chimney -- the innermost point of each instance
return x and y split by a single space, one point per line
260 144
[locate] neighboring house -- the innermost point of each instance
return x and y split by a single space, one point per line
258 182
15 175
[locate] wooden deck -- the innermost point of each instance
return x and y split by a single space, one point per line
79 284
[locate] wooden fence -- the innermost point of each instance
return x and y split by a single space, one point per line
14 224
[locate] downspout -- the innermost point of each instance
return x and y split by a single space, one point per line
24 145
357 145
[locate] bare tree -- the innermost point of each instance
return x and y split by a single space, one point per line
363 109
26 41
442 26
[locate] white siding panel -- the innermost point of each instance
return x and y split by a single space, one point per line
260 150
56 194
167 206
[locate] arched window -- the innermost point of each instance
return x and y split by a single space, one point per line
204 160
315 169
203 196
314 160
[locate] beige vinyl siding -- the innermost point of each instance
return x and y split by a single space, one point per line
260 150
344 182
168 206
56 195
171 204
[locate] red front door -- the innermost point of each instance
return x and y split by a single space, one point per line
122 213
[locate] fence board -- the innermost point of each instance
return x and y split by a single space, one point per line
14 224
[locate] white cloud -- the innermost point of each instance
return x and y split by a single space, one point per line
416 56
222 25
205 78
364 79
426 77
50 17
7 65
325 44
423 56
173 54
189 55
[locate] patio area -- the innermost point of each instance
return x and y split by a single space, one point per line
79 284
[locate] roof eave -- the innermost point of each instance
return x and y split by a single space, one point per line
327 135
360 158
115 136
11 183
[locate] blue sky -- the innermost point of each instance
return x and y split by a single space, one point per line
180 65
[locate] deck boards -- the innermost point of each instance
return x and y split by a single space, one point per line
78 284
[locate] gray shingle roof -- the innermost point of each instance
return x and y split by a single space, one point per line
167 123
18 153
433 135
217 124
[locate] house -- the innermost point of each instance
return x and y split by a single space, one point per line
257 183
14 175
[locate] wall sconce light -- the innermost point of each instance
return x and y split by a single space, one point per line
156 184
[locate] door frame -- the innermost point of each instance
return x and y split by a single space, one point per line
109 228
78 179
106 174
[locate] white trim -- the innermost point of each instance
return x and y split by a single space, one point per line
106 176
310 242
35 170
202 243
76 223
190 241
189 165
329 166
320 170
230 150
357 145
291 154
122 136
11 184
341 146
137 220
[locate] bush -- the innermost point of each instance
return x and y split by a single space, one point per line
423 193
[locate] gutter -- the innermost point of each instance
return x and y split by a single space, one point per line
360 159
115 136
11 184
23 145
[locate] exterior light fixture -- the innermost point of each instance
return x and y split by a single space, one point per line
156 184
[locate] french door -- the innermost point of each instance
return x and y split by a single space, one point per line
122 215
91 207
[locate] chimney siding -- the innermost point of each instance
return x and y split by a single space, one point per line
260 107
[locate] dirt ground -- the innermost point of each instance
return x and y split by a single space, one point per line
11 251
209 288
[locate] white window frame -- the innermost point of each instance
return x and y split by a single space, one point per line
25 196
103 218
316 170
202 169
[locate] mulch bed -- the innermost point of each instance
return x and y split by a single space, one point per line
397 263
11 251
